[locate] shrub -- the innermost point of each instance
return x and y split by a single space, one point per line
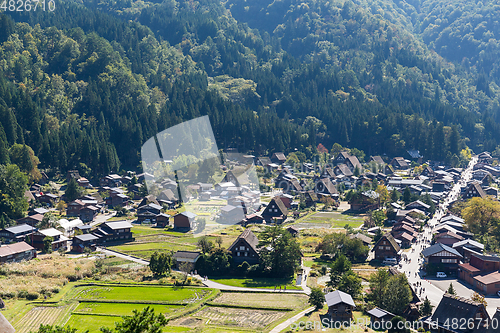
22 294
32 296
313 273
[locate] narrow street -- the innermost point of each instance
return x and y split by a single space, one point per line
433 287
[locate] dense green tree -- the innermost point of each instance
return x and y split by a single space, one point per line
73 190
47 244
145 321
280 251
160 263
13 185
339 267
350 283
426 307
316 298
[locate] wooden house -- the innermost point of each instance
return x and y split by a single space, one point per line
386 247
32 220
443 257
162 220
117 231
452 309
379 316
340 306
80 242
17 233
58 239
275 209
16 252
473 190
184 221
245 248
186 257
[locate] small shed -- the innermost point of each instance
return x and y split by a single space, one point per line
340 305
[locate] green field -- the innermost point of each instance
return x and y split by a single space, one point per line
91 323
266 283
122 309
145 250
335 219
140 293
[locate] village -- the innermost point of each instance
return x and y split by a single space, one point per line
355 231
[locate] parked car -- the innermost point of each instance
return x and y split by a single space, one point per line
390 261
498 293
440 274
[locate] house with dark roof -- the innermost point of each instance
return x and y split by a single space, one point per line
294 231
16 252
456 309
278 158
363 201
31 219
399 163
117 231
352 163
89 213
341 157
470 245
418 205
184 221
363 238
379 316
74 207
377 159
427 172
448 238
17 233
80 242
275 209
186 257
58 239
245 248
442 257
473 190
325 186
342 170
405 239
386 247
340 306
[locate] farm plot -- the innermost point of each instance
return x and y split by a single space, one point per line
145 250
333 219
91 323
140 294
263 300
41 315
256 319
121 309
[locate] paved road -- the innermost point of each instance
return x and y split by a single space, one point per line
434 288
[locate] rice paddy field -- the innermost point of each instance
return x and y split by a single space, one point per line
330 219
190 309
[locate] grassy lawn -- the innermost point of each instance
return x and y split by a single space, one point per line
143 230
266 283
145 250
91 323
140 293
122 309
334 219
316 262
264 300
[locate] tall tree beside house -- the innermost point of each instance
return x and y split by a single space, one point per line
350 283
426 307
398 294
280 252
73 190
339 267
316 298
13 185
391 293
395 195
205 244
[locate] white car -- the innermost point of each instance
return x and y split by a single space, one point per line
441 275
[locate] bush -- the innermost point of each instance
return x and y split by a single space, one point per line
32 296
22 294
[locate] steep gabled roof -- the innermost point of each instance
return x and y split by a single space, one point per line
458 307
390 239
249 237
337 296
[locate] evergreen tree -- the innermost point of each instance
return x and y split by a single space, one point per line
316 298
426 307
73 190
451 290
407 195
